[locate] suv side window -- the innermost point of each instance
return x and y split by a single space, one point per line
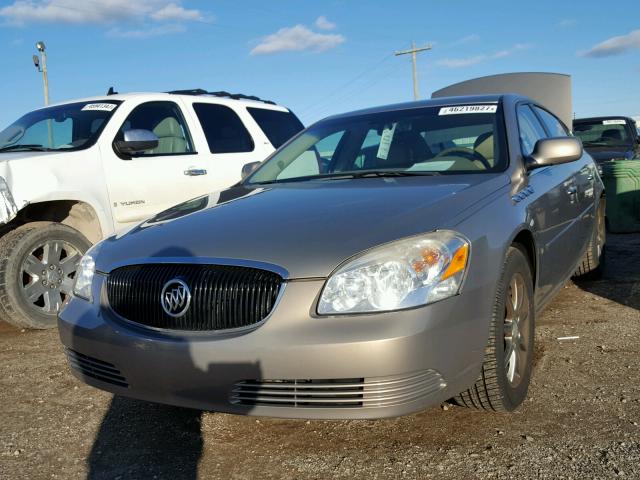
166 121
554 126
530 129
223 129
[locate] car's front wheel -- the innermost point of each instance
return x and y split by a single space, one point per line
37 265
506 371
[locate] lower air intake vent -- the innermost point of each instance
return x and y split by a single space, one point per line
338 393
97 369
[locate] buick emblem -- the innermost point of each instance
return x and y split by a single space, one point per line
175 298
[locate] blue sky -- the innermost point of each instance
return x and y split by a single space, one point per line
318 58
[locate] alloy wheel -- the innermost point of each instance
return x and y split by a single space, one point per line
516 330
47 275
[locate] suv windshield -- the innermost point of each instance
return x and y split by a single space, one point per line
612 132
419 141
73 126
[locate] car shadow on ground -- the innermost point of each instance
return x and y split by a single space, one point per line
621 277
145 440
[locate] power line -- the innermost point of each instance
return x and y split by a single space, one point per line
362 88
344 86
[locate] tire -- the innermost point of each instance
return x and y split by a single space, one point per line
37 264
503 382
592 264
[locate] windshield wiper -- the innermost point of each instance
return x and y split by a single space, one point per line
377 173
348 175
29 147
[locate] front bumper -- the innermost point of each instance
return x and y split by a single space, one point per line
295 364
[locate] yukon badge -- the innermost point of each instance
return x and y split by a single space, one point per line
175 298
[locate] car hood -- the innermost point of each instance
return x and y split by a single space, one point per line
604 154
301 230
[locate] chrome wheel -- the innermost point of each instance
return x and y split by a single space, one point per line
516 330
47 275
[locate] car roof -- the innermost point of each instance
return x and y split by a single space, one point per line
159 96
596 119
434 102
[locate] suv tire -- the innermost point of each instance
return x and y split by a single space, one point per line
37 264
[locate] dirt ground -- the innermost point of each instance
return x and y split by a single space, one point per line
582 418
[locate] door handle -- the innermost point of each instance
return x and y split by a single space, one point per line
194 172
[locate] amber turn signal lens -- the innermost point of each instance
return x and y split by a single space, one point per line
458 262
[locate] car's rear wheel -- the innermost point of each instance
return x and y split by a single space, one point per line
506 371
37 265
591 266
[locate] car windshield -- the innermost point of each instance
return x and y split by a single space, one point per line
606 133
418 141
73 126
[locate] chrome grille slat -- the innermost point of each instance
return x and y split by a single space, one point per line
222 297
338 393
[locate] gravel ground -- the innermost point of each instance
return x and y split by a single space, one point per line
582 418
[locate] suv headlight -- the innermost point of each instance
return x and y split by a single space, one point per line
402 274
84 277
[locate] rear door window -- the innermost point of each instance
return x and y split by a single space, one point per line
223 129
278 126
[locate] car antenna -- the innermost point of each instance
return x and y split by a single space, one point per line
111 91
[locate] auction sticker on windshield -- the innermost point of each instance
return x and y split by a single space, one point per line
103 107
468 109
613 122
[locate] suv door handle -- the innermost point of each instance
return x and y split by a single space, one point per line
194 172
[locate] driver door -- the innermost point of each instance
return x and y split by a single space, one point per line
143 185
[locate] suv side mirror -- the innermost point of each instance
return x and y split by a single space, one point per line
554 151
136 141
248 168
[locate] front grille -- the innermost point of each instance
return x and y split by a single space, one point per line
92 367
222 297
338 393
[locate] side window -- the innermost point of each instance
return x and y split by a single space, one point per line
554 126
278 126
530 129
223 129
165 120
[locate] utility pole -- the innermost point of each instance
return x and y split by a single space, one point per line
41 65
413 51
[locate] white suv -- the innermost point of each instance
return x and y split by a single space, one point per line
74 173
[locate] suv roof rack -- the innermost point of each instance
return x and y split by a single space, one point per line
234 96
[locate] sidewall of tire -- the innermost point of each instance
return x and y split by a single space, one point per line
30 235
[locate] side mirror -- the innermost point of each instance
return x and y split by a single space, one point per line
136 141
249 168
554 151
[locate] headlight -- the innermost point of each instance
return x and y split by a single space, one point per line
84 277
403 274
